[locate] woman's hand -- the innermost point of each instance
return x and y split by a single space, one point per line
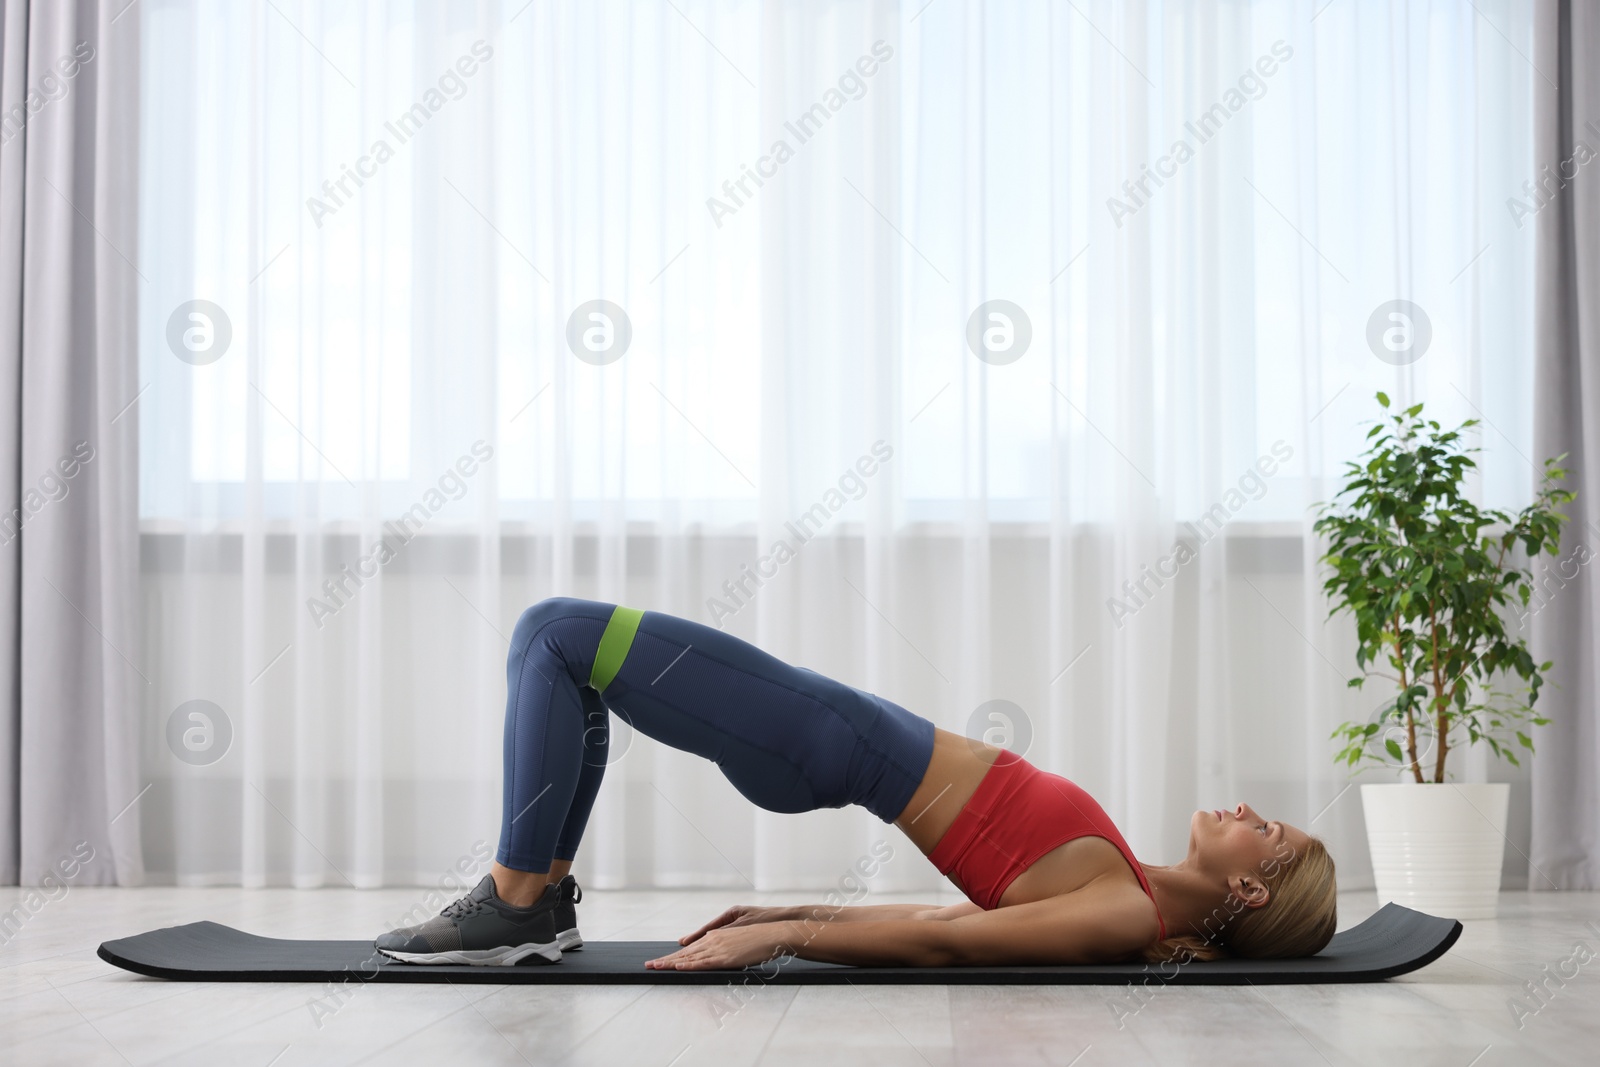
728 947
738 915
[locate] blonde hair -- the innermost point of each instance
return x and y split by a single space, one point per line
1297 920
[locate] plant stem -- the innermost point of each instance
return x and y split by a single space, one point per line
1411 724
1439 695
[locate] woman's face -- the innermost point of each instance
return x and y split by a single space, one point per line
1241 848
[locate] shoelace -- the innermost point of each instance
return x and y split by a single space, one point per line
460 909
465 906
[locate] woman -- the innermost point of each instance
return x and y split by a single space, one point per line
1048 877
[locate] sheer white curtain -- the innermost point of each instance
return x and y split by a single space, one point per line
802 211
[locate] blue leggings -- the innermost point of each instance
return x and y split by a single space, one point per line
788 738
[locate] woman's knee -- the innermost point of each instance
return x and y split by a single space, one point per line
535 618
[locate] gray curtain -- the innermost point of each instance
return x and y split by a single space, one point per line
1566 767
70 673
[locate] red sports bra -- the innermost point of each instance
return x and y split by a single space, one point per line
1017 814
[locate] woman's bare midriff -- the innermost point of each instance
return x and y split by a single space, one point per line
957 767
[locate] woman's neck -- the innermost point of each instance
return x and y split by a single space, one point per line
1191 904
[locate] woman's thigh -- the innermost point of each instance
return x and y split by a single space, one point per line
788 738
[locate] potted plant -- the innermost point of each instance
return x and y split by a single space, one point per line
1429 577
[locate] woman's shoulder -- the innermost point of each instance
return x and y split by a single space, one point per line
1120 901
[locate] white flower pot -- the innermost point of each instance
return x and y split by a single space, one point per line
1437 847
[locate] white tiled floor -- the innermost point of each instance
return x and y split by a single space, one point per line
60 1004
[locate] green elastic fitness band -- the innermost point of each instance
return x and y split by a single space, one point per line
614 645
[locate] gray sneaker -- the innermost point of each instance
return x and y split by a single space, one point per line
567 935
482 930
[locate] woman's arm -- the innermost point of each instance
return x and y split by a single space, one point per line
876 912
1094 924
812 914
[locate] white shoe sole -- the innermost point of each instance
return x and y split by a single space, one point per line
568 940
504 956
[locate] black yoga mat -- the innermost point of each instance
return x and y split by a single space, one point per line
1392 942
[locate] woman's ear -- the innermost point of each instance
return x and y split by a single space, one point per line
1249 889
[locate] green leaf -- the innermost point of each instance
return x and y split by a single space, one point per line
1393 748
1383 398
